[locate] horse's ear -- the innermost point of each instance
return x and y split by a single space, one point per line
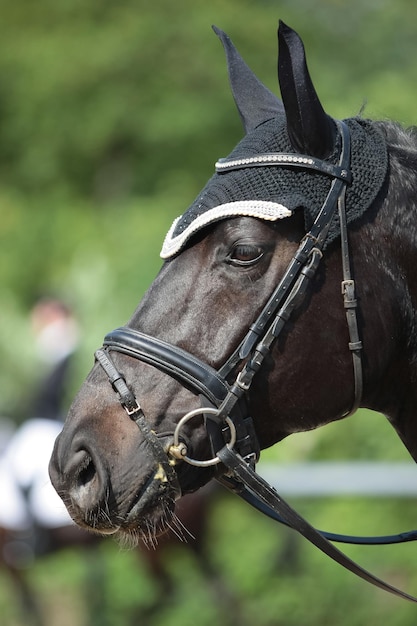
310 129
255 103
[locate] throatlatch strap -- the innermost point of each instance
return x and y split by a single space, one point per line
350 303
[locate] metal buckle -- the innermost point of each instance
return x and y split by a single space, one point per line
134 410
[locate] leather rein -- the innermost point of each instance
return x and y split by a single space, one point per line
224 404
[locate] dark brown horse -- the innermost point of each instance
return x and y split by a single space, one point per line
209 313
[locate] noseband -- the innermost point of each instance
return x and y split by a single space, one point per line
225 404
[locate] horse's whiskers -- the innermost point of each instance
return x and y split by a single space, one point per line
176 521
177 532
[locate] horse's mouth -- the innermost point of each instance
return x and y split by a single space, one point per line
145 517
153 508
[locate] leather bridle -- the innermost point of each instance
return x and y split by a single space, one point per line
224 404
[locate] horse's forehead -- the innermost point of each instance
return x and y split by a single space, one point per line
273 193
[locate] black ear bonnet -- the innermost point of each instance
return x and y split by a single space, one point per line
275 192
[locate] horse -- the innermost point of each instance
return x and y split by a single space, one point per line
244 337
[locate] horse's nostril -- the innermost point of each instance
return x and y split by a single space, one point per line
86 473
84 484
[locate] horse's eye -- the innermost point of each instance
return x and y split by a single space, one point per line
245 254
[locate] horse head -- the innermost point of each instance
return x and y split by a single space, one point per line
210 357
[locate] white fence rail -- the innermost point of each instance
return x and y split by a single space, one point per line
334 478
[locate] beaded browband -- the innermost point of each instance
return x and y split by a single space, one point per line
281 158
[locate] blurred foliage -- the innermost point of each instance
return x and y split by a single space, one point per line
111 117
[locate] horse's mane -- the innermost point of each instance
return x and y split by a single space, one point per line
394 233
401 195
402 141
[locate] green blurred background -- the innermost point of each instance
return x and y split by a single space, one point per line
111 117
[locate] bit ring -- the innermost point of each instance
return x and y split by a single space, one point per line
178 450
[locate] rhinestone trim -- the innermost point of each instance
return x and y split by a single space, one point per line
266 159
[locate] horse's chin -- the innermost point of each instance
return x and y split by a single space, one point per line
147 533
146 529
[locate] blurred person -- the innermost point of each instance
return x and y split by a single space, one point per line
29 506
56 339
